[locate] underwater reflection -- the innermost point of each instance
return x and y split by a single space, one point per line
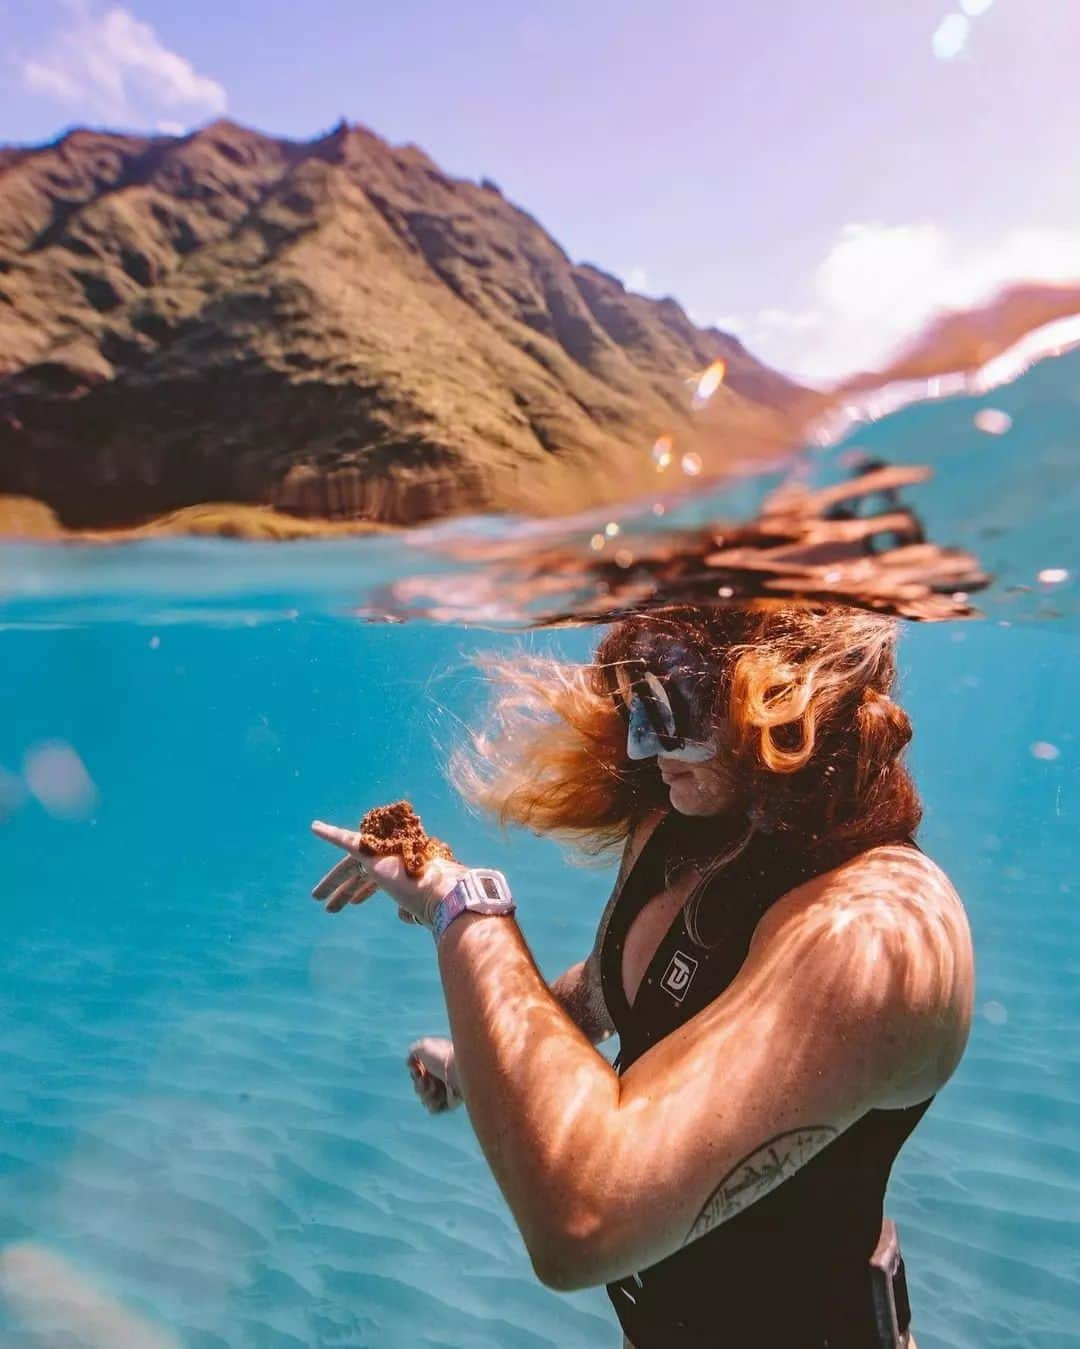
855 542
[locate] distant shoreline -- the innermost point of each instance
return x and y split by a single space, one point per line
24 519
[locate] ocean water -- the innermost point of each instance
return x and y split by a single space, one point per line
208 1135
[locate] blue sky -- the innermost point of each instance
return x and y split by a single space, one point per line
817 177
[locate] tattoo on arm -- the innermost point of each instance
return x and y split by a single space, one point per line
759 1173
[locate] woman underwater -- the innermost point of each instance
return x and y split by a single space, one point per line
790 977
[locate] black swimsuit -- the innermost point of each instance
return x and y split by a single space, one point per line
791 1271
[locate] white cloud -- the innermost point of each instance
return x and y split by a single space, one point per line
637 279
115 65
42 79
950 37
879 284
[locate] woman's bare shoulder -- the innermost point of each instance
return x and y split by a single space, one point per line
892 915
901 874
937 955
883 879
895 888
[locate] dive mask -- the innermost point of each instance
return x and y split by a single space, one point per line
662 711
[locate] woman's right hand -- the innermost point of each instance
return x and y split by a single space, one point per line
434 1074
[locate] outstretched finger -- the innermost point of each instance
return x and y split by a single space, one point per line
348 839
340 871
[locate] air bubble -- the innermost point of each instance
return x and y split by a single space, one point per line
992 421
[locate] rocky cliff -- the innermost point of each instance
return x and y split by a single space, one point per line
336 329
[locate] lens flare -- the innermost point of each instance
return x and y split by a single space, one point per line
59 1303
57 777
662 452
709 382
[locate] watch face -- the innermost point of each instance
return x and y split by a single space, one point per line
488 892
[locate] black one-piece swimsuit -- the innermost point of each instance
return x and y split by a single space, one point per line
791 1271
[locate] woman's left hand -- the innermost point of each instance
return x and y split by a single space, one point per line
358 875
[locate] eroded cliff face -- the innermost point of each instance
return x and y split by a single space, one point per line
335 329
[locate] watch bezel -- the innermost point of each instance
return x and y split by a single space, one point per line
475 898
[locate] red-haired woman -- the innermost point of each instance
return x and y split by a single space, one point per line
791 978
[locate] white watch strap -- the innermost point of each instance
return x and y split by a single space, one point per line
456 902
447 909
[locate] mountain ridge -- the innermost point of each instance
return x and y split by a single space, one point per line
333 328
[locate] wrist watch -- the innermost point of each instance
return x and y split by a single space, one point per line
479 890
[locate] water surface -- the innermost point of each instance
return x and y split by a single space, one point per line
206 1114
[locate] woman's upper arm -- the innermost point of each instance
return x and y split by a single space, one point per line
851 987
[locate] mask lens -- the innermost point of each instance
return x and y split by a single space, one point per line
657 704
652 725
642 742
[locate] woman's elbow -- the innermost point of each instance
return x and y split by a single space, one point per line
568 1261
562 1270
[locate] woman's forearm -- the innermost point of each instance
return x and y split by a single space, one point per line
578 994
532 1081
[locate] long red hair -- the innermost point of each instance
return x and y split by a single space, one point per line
801 698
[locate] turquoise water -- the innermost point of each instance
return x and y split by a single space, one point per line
205 1109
